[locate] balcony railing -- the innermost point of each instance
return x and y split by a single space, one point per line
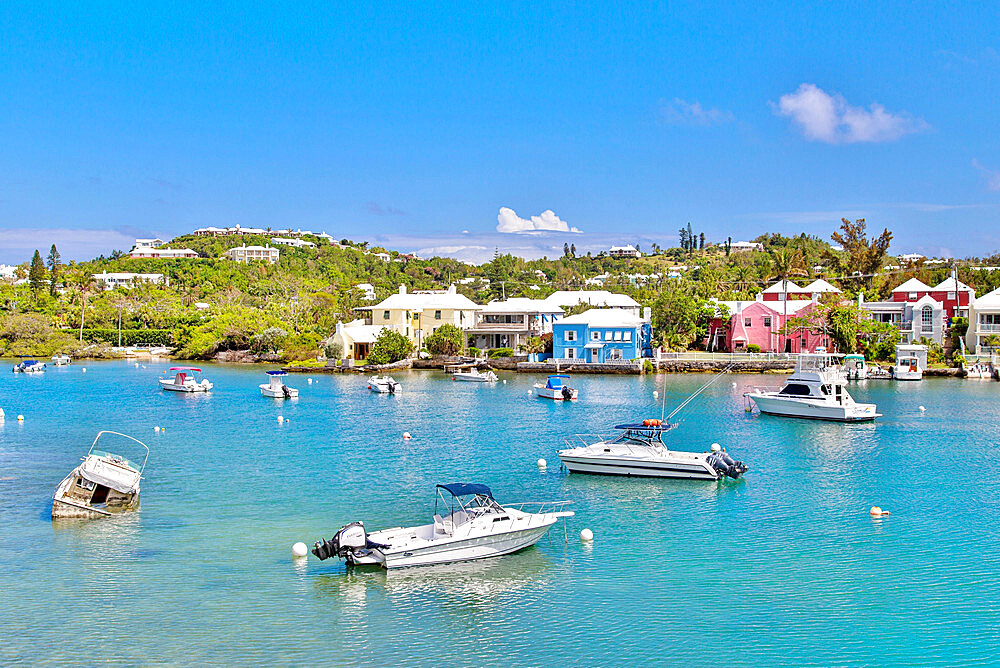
988 327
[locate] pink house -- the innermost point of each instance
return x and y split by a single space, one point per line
761 323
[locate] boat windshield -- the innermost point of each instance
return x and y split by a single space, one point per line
641 434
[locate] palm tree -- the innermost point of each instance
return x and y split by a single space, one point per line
786 262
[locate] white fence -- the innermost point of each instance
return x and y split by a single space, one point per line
702 356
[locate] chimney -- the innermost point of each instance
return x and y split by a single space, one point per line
647 314
861 299
340 327
402 289
451 289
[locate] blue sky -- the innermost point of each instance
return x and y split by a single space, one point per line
412 126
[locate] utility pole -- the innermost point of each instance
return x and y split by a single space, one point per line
119 325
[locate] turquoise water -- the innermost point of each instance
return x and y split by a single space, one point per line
784 566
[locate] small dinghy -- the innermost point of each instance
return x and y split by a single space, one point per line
29 366
276 388
555 389
475 527
474 375
104 484
185 380
61 360
383 385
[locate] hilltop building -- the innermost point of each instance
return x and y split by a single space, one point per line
244 254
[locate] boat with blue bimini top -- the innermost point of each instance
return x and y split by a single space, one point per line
554 388
29 366
472 526
275 387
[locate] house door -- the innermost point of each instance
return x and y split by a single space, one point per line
595 355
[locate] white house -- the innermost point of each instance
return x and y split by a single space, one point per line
296 243
416 315
148 243
738 246
367 291
509 323
385 257
984 322
597 280
246 253
355 339
110 281
163 253
8 272
598 298
624 251
911 258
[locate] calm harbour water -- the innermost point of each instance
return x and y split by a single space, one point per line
784 566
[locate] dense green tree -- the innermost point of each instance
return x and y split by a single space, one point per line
445 340
53 269
389 347
860 256
36 273
680 318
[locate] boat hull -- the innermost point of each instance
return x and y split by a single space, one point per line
637 468
69 503
271 393
814 410
173 387
463 549
555 395
473 378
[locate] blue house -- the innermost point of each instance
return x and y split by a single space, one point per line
602 335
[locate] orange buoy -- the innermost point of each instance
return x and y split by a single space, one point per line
646 423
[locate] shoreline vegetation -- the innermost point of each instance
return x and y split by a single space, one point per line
211 308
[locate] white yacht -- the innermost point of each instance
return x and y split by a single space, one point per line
102 485
473 526
555 389
639 450
907 368
275 387
855 367
185 381
61 360
474 375
816 391
29 366
383 385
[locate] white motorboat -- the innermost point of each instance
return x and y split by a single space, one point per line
383 385
475 527
875 372
855 367
907 368
185 381
639 450
61 360
554 388
275 387
102 485
979 371
29 366
474 375
815 391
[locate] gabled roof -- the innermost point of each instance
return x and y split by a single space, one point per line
796 305
819 285
780 287
952 284
521 305
989 301
603 317
592 297
913 285
419 301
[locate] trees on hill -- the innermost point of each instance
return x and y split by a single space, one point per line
445 340
389 347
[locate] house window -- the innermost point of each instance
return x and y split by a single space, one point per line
748 322
912 296
628 336
571 353
767 321
615 354
951 295
570 335
926 319
385 315
595 336
618 336
437 315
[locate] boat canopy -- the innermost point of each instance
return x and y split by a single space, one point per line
555 382
854 356
276 373
666 426
185 368
465 488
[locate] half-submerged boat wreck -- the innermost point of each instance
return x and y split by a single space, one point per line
104 484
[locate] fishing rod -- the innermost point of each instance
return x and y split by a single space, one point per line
694 395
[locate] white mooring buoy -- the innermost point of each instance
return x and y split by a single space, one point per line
922 409
85 369
586 535
542 463
656 394
156 429
406 436
300 550
20 418
310 381
280 419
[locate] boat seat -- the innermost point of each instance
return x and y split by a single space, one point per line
448 524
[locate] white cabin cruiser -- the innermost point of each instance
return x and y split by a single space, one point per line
185 380
275 387
29 366
474 375
61 360
815 391
554 388
855 367
639 450
102 485
475 527
383 385
907 368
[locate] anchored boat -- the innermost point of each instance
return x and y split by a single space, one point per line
383 385
275 387
816 391
61 360
185 380
474 375
554 388
855 367
29 366
102 485
475 527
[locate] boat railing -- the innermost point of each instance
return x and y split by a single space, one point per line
586 440
538 507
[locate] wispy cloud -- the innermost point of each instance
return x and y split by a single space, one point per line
991 176
508 222
682 112
163 183
829 118
986 56
18 244
377 209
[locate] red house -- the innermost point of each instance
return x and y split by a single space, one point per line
951 292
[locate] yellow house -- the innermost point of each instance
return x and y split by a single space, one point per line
415 315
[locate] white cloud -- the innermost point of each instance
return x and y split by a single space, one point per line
681 112
992 176
509 222
431 251
829 118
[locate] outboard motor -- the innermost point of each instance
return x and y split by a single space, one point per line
285 392
351 537
724 464
567 392
392 387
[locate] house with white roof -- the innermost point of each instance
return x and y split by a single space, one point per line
416 315
738 246
110 281
597 280
244 254
984 322
596 298
919 310
163 253
295 243
624 251
741 324
148 243
8 272
601 336
509 323
355 339
367 291
385 257
911 258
